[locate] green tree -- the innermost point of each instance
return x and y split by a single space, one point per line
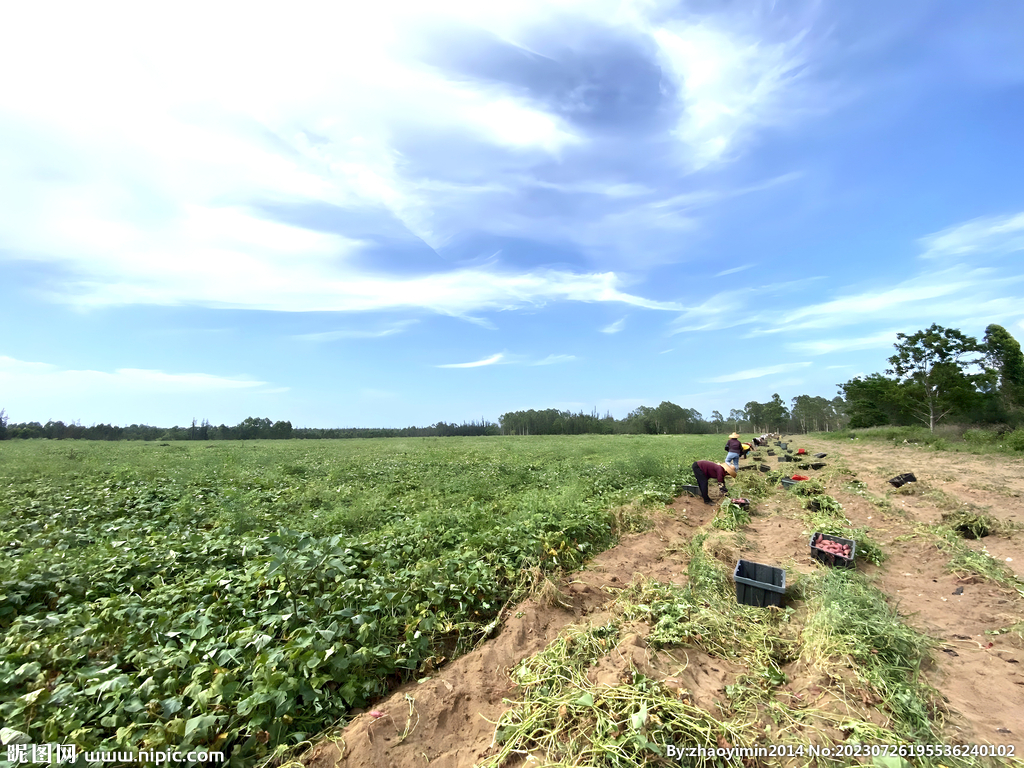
253 428
717 421
1003 355
642 420
934 365
3 424
775 413
813 413
874 401
282 430
755 415
670 418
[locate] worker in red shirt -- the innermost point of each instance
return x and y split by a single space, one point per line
704 470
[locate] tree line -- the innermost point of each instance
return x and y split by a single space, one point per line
251 428
805 413
935 375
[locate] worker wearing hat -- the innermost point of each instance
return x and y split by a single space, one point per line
704 470
733 450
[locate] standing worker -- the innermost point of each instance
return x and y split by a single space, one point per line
733 450
703 470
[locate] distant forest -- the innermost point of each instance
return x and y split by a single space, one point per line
805 414
936 375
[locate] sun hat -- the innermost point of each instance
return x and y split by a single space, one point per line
730 469
734 434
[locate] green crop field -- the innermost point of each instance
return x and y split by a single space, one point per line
244 596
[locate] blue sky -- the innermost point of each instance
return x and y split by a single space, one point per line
387 214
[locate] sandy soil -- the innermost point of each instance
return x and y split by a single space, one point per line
448 720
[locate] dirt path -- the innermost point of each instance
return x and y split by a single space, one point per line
979 674
448 719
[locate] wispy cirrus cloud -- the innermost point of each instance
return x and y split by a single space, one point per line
825 346
734 270
955 295
615 327
27 376
492 360
246 281
357 333
991 235
735 307
728 84
756 373
555 359
504 358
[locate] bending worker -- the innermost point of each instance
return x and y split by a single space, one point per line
703 470
733 450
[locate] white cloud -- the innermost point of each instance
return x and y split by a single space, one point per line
705 197
135 168
303 287
607 189
504 358
729 83
137 194
554 359
615 327
734 270
756 373
357 333
9 366
492 360
949 296
990 235
20 378
35 391
959 295
483 322
824 346
737 306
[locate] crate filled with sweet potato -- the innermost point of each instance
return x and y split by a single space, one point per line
833 550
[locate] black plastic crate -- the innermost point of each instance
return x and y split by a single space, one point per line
693 490
827 557
901 480
788 483
741 503
765 468
759 585
820 455
818 465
